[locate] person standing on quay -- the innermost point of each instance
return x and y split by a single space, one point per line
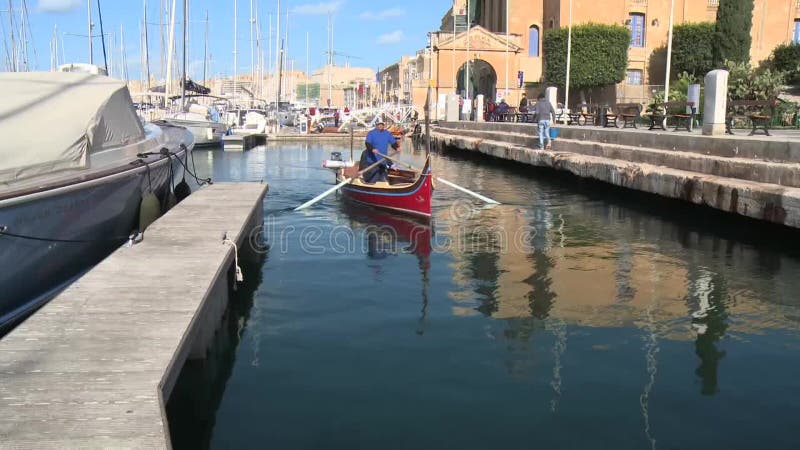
544 111
523 103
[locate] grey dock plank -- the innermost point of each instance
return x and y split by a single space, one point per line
93 368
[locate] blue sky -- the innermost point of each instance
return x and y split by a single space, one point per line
377 33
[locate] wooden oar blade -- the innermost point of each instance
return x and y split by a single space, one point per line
467 191
323 195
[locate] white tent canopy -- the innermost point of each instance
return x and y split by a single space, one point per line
52 121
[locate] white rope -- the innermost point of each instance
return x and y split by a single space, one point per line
239 276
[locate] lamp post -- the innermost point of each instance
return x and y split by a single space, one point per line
669 49
569 59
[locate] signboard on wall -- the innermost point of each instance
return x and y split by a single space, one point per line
520 77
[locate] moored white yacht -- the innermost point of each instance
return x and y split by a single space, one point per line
71 192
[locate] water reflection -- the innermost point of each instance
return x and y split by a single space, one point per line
199 390
388 233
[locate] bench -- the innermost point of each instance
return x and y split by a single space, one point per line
673 110
628 112
508 116
753 110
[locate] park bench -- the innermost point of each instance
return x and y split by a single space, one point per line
628 112
509 116
759 112
673 110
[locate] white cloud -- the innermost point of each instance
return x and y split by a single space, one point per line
391 38
318 8
385 14
59 6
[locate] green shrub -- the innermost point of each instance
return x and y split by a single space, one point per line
786 58
599 55
693 48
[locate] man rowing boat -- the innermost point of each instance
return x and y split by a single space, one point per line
378 141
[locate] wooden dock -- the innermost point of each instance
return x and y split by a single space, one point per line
95 366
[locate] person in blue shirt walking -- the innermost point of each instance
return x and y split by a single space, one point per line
378 141
544 111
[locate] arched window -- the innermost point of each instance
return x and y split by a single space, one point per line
533 41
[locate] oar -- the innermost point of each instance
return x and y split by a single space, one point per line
450 183
346 180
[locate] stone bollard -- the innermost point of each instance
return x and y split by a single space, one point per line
451 110
715 103
551 94
479 108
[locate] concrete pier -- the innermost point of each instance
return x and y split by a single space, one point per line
757 177
95 366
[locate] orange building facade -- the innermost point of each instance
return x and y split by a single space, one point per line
505 50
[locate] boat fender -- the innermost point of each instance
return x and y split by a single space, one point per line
170 200
182 190
149 210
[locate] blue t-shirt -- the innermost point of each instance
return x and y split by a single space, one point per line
380 140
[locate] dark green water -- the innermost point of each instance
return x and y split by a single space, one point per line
573 316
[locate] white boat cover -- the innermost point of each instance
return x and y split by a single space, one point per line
52 121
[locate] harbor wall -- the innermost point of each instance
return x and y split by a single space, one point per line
756 177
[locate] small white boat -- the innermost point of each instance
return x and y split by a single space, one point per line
203 121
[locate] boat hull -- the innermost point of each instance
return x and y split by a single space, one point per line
98 214
413 199
205 133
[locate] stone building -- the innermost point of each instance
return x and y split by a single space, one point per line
505 50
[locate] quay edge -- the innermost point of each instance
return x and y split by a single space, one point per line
701 170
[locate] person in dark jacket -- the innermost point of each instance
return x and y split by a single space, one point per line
523 103
544 111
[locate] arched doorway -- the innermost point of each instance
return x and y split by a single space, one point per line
482 79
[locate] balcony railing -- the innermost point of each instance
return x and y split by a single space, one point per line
713 3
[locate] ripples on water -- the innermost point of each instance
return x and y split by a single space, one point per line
571 316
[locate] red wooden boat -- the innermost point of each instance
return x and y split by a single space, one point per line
405 191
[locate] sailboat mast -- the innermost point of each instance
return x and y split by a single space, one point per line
102 36
185 36
235 53
123 59
277 57
252 42
307 79
23 38
205 54
88 24
146 49
171 43
11 55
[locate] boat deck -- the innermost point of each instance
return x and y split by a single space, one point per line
95 366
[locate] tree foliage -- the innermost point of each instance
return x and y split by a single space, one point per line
599 55
313 90
786 58
693 48
732 34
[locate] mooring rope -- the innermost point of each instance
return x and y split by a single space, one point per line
239 275
166 152
133 237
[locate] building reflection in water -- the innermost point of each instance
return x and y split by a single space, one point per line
624 269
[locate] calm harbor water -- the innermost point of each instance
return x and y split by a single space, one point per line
572 316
